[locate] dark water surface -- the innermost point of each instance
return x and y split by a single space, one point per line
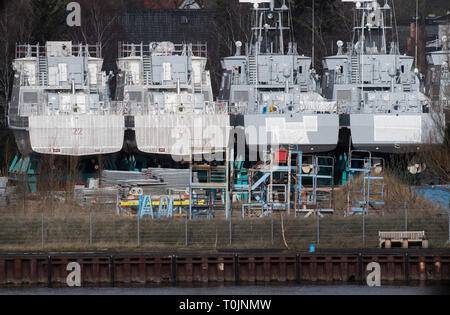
227 290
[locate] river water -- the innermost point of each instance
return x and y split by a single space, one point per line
227 290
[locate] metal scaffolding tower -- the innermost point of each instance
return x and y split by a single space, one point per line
208 183
367 187
286 179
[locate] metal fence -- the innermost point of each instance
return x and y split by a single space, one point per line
96 229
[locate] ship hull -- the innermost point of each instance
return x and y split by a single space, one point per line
22 137
391 133
307 132
71 135
173 135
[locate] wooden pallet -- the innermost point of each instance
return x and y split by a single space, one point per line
404 238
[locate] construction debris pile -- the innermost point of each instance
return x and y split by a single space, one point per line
115 187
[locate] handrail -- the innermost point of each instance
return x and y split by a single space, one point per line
115 108
34 51
163 49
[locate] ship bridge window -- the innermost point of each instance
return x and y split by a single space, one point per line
135 96
30 97
343 95
241 96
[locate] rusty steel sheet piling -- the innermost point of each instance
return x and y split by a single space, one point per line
111 269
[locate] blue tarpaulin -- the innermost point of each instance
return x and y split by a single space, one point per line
439 195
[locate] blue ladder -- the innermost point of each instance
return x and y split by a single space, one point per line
146 206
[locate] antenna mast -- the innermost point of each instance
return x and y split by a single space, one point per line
417 30
313 39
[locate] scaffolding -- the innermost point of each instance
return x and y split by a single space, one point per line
286 180
208 183
165 206
264 187
367 187
315 185
26 171
73 49
162 48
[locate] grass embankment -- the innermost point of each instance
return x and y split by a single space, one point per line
397 193
67 227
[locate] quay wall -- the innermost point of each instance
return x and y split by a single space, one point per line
157 268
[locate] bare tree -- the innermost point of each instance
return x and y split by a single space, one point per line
332 22
232 23
99 21
14 27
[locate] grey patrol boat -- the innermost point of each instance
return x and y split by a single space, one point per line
60 102
378 93
272 90
168 101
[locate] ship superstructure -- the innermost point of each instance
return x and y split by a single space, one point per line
439 61
60 102
272 90
166 91
378 93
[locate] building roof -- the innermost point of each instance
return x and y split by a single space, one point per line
431 20
167 25
164 4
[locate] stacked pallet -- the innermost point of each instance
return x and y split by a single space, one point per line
128 179
174 179
99 196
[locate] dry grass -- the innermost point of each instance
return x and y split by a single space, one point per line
65 229
396 194
67 226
